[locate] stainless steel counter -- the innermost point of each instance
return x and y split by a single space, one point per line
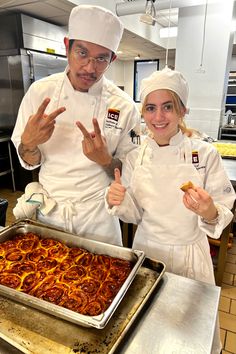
180 318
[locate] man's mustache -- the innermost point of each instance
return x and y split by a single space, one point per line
88 76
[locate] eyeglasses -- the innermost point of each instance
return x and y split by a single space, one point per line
100 63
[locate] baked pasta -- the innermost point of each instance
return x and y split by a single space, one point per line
71 277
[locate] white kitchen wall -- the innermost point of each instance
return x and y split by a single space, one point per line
115 73
122 73
207 83
233 63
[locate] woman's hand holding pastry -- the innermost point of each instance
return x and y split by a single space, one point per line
200 202
116 191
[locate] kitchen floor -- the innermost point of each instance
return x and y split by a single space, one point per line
227 307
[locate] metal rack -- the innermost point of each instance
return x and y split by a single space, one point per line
7 139
227 133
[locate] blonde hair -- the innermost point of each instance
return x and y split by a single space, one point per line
179 108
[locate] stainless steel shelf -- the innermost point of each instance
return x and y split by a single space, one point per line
229 135
231 93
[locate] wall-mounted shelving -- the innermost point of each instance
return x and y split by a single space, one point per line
228 130
230 103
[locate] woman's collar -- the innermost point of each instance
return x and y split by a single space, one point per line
174 140
177 138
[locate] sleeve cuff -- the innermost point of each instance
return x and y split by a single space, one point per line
25 164
215 230
117 209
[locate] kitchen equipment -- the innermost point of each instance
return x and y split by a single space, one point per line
71 240
30 50
226 150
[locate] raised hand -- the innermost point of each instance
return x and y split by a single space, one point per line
94 144
116 191
201 203
40 126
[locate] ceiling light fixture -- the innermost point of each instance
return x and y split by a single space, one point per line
150 13
137 57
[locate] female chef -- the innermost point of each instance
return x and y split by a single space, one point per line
50 130
172 225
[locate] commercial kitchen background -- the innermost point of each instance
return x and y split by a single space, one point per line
204 50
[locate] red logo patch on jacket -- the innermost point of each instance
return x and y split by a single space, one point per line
113 114
195 158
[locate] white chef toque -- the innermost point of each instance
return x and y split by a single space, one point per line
97 25
165 79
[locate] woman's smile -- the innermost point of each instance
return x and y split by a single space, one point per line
160 125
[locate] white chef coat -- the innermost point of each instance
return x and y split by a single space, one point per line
70 178
167 230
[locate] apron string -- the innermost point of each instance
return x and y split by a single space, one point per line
171 257
187 150
68 211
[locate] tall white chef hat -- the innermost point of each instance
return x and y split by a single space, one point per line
97 25
165 79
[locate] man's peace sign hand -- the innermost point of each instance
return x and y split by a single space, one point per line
40 126
94 144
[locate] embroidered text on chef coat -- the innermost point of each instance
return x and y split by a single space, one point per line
112 118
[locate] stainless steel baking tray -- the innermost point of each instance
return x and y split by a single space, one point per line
46 231
36 332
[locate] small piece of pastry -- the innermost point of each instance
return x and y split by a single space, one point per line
187 185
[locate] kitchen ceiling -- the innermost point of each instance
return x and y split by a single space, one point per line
132 46
57 12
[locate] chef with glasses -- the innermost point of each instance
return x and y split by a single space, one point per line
75 126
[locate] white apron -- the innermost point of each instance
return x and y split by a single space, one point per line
80 196
168 231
